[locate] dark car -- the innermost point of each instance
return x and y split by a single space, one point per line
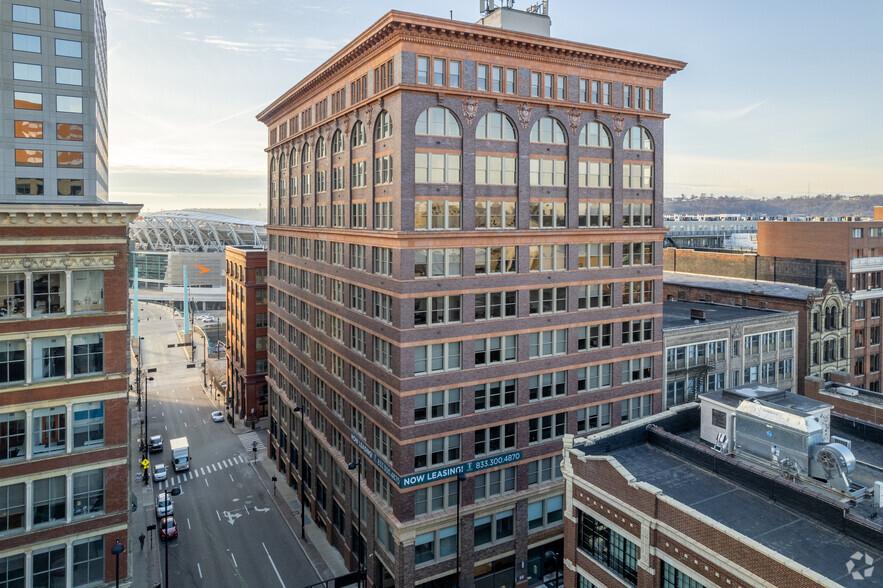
155 444
168 528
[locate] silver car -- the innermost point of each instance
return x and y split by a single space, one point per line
164 506
160 472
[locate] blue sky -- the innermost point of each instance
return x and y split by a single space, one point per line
778 98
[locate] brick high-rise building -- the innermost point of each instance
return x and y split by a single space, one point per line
64 492
465 243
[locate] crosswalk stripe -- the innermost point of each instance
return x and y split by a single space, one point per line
214 469
196 472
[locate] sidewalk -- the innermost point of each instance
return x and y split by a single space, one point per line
325 559
144 564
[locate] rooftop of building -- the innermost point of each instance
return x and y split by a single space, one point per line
853 393
396 22
743 286
800 522
677 314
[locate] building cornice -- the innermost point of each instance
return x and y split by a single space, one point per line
403 26
45 215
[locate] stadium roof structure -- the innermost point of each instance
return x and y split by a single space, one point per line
189 231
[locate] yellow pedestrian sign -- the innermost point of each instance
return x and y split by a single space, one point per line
144 463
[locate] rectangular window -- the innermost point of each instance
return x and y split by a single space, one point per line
29 158
435 498
548 343
88 495
637 176
436 168
491 395
608 547
436 214
26 14
27 43
27 72
438 263
491 170
548 172
494 483
494 350
437 451
547 215
48 358
495 439
12 515
637 408
437 357
545 428
28 101
438 72
593 418
548 300
69 159
495 260
595 174
383 170
438 404
496 305
68 20
640 292
490 214
454 74
68 76
48 503
511 81
87 353
71 104
637 370
423 70
544 470
547 258
545 513
437 310
639 331
550 385
594 214
382 261
68 132
482 80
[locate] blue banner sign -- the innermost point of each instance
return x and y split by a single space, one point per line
438 474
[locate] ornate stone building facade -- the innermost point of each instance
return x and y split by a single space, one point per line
464 265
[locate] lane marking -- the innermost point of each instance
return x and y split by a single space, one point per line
188 524
219 515
200 570
231 477
274 565
234 560
246 510
206 481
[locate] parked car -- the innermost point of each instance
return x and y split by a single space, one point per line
159 472
168 528
218 416
155 444
164 505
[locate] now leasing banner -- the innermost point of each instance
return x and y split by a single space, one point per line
438 474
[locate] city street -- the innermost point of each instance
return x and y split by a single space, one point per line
230 530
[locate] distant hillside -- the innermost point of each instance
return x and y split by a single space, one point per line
821 205
256 214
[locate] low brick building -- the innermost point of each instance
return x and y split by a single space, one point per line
651 506
853 402
824 341
712 346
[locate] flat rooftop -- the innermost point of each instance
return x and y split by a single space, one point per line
793 533
676 314
740 285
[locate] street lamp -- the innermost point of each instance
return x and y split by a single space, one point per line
173 492
117 549
302 529
460 478
353 466
553 557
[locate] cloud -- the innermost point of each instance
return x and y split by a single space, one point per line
728 115
288 49
188 9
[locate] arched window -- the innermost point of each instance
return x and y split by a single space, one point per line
293 158
638 138
305 153
383 126
496 126
283 161
359 138
438 121
548 130
272 165
320 148
595 134
337 143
